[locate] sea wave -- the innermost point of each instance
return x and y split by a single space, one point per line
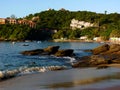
24 70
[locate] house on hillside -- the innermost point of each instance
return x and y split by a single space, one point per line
80 24
27 22
15 21
12 21
115 40
98 39
83 38
2 20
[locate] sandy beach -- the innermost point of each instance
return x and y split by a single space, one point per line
72 79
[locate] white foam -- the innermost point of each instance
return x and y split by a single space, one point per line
1 74
72 59
25 70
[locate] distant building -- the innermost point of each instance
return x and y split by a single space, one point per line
115 40
32 24
97 39
15 21
12 21
34 19
83 38
2 21
80 24
27 22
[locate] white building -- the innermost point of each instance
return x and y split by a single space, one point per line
114 40
80 24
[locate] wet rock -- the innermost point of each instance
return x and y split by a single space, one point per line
102 55
116 61
97 60
82 62
51 49
100 49
32 52
67 52
114 49
46 51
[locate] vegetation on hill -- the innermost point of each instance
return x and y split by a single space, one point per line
21 32
108 25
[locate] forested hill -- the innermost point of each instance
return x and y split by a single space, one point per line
107 25
61 19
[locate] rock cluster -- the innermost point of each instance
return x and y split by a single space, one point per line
50 50
102 55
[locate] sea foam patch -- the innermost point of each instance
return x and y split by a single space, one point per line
21 71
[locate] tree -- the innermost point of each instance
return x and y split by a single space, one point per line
13 16
115 33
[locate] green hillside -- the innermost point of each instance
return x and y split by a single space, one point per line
107 25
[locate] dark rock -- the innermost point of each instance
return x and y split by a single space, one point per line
114 48
102 55
97 60
82 62
116 61
90 61
51 49
32 52
100 49
67 52
46 51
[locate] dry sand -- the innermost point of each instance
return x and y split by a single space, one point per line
73 79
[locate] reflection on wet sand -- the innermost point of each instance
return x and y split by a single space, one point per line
83 82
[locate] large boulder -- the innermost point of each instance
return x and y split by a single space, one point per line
102 56
67 52
51 49
100 49
81 62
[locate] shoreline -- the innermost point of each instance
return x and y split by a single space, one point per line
87 41
71 79
68 40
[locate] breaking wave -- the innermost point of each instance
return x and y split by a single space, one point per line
21 71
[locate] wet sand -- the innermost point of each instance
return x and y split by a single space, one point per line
72 79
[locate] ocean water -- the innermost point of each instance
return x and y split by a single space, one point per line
13 63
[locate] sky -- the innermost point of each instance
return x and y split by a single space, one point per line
22 8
